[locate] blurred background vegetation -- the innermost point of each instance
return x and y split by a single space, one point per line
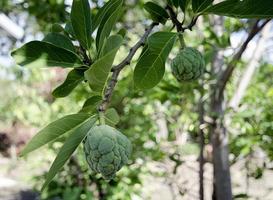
162 123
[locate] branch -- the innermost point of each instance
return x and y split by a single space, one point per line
174 19
86 59
250 69
192 24
225 76
179 26
117 69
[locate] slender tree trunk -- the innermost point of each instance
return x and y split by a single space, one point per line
202 145
219 139
218 136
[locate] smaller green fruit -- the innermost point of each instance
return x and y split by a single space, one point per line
106 150
188 65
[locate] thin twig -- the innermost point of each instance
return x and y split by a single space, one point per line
225 76
174 19
87 60
192 24
117 69
179 26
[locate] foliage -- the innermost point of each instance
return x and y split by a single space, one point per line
158 14
255 119
151 65
45 12
88 45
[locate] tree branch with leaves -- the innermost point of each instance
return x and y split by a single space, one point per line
88 46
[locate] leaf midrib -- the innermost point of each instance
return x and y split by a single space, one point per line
159 57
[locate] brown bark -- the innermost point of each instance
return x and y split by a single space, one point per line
218 133
219 140
221 175
201 145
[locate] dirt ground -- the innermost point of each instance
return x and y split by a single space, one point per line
182 185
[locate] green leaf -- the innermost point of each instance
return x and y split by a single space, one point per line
109 20
57 28
175 2
113 42
111 117
98 73
242 9
69 30
70 145
158 14
151 65
73 78
169 2
53 131
91 104
81 22
184 4
109 7
199 5
60 40
122 32
44 54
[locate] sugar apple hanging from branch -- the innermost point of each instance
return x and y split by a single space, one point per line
106 150
188 65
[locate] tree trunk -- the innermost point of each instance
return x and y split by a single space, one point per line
202 145
218 136
219 139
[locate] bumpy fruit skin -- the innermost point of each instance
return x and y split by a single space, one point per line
106 150
188 65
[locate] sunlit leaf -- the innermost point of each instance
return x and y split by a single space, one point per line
81 22
243 9
98 73
53 131
199 5
91 104
69 30
70 145
59 40
158 14
44 54
57 28
109 20
111 117
151 65
107 8
73 78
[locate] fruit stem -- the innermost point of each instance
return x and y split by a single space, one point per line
181 40
102 118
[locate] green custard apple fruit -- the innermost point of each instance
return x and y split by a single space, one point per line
106 150
188 65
